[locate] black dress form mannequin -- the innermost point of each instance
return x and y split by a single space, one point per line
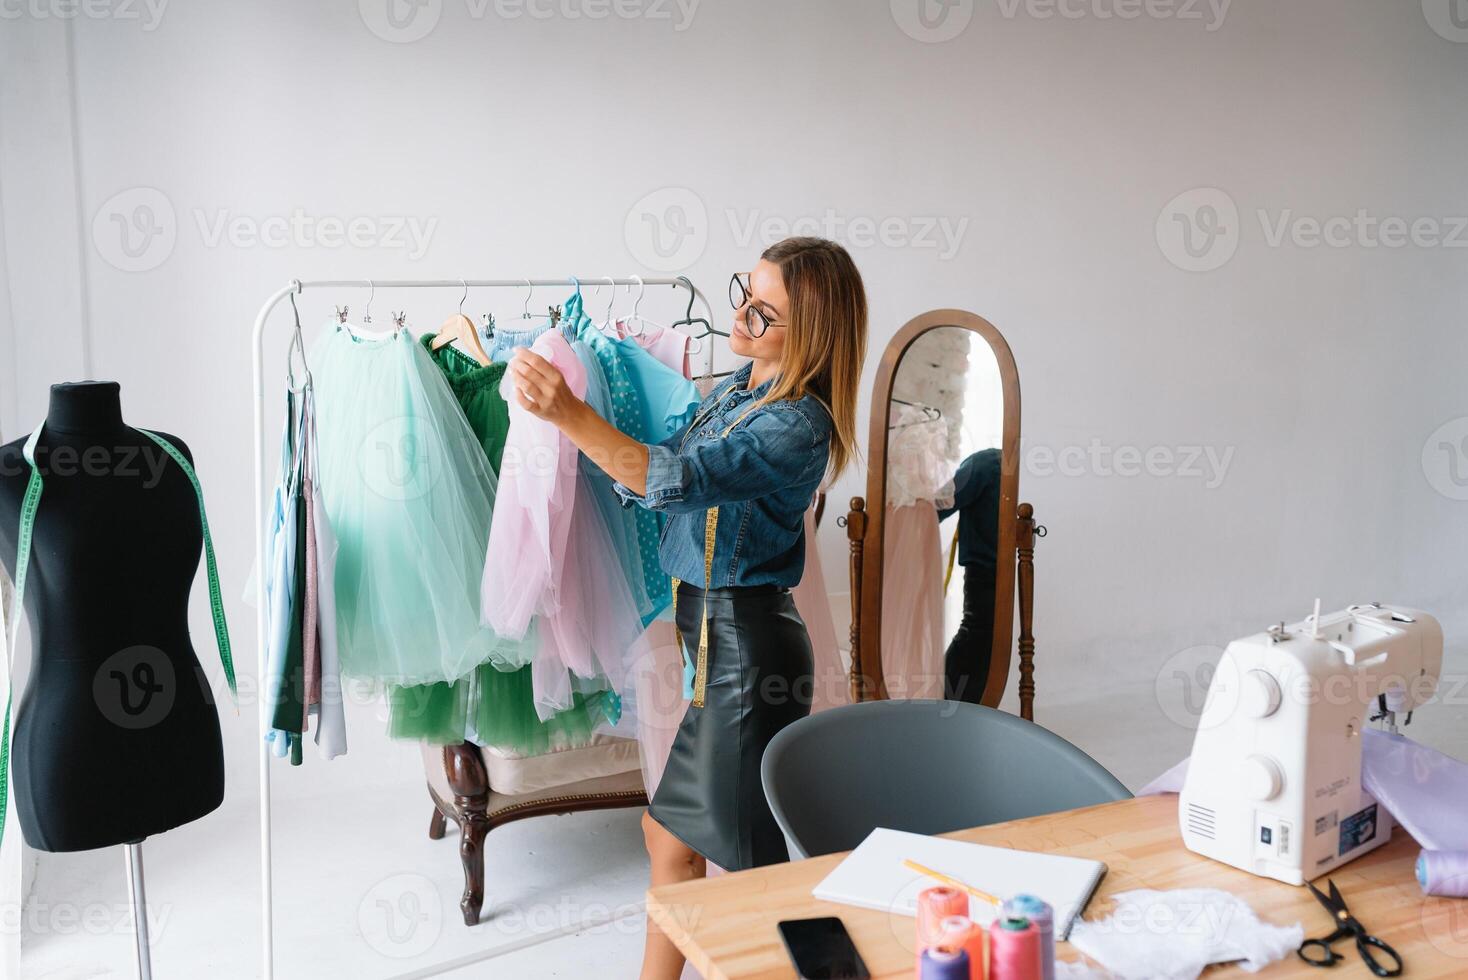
116 733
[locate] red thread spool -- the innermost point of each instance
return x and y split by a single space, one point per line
1014 949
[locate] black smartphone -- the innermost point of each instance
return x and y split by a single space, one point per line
822 949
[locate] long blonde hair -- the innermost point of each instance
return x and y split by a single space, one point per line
826 340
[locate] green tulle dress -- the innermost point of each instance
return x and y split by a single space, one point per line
491 707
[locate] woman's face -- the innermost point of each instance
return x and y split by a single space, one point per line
767 294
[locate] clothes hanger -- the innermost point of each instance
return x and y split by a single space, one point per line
298 346
344 323
608 326
459 327
689 319
930 414
635 321
708 329
636 318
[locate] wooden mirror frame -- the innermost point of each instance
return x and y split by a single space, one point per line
865 528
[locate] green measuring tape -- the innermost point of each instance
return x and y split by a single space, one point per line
29 506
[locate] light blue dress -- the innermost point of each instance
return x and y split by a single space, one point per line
506 341
628 417
621 522
666 400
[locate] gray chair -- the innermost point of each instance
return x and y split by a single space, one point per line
927 767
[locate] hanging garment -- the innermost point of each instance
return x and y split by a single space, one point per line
329 708
666 399
506 340
831 685
311 617
621 521
918 464
409 495
551 557
919 479
537 494
492 707
283 643
664 343
912 602
629 420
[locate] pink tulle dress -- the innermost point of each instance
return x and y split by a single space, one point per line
550 558
919 480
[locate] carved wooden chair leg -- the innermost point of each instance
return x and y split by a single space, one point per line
470 784
437 824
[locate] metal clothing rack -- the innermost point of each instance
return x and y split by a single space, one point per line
294 288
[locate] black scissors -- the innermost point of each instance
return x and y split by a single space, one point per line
1366 943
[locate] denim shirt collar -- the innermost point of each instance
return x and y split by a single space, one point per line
738 382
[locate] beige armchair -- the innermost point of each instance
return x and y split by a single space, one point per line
482 788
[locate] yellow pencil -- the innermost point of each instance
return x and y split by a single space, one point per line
952 882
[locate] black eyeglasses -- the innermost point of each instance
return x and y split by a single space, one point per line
739 298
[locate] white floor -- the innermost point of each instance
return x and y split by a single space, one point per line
373 898
370 897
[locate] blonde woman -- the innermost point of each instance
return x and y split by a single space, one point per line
745 468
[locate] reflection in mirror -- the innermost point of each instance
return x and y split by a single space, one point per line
945 430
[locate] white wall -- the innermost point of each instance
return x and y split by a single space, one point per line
530 145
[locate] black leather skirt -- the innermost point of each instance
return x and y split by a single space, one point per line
759 681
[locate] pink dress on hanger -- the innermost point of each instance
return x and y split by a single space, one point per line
919 477
666 344
550 558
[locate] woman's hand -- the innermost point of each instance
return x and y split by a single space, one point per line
541 389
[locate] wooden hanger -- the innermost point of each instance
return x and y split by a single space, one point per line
459 327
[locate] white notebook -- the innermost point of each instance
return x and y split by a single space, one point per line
873 876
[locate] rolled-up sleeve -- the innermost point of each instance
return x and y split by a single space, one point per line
779 447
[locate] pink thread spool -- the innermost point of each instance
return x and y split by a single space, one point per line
1014 949
933 906
961 931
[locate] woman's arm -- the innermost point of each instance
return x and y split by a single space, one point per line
541 391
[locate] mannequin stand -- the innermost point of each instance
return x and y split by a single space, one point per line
139 902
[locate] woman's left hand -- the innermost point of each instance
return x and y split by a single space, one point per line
541 389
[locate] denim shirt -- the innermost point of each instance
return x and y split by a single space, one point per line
762 475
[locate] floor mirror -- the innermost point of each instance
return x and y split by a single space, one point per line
942 552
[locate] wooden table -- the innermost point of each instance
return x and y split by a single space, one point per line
726 925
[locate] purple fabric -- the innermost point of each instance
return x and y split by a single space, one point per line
1425 790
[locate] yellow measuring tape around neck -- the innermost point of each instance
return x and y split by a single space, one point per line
29 506
710 533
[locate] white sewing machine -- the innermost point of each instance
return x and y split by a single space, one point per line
1274 783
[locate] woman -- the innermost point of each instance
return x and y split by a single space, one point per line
742 472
